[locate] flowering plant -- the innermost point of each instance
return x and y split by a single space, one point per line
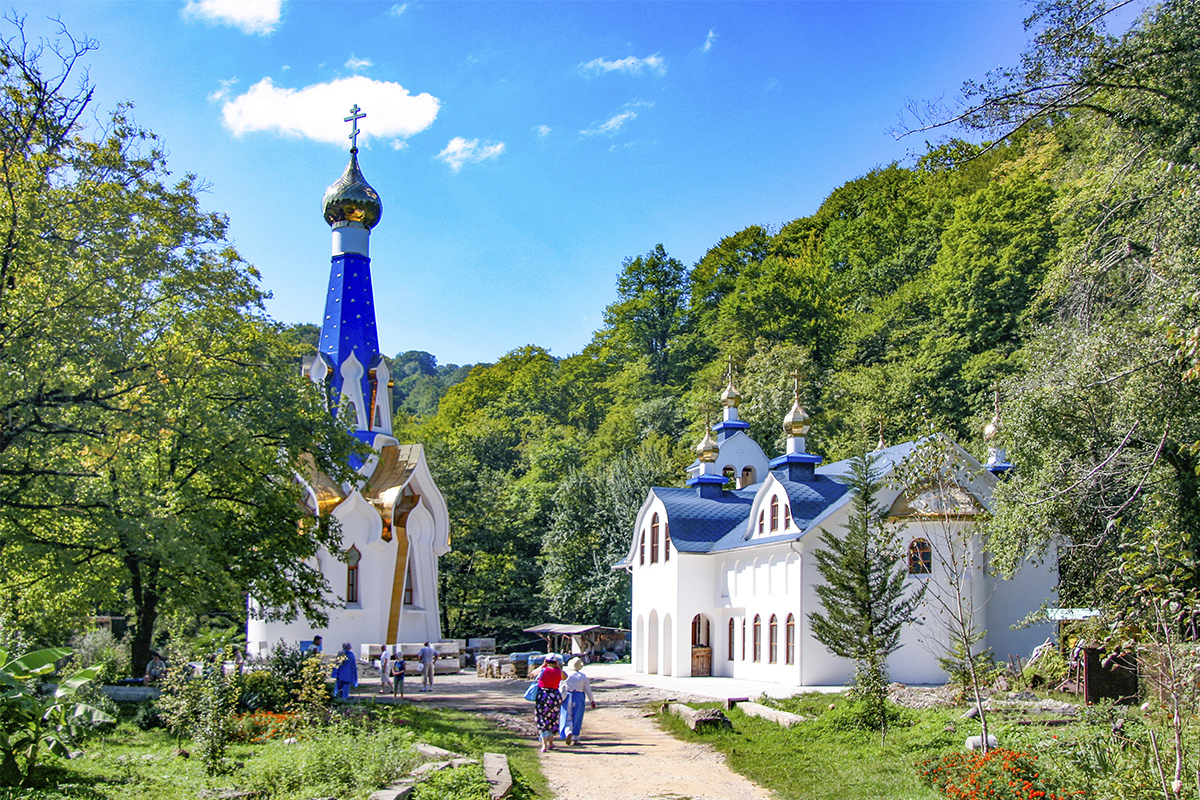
995 775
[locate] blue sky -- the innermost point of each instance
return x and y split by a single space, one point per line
522 150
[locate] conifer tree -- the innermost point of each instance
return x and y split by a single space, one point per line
863 592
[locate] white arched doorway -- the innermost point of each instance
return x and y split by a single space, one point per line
701 647
652 643
639 645
668 645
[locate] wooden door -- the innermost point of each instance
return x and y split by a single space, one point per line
701 662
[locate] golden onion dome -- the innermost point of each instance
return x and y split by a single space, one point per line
351 199
731 397
708 449
796 422
992 429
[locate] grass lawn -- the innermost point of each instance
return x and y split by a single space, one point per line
811 762
127 763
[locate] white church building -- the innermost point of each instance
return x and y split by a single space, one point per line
724 578
393 520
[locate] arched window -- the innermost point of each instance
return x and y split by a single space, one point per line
729 655
791 639
757 638
787 515
761 524
654 539
729 474
743 638
642 548
352 557
920 557
774 513
773 640
408 586
666 541
747 477
699 631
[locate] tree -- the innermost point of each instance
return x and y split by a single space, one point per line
863 593
935 480
153 418
592 519
649 312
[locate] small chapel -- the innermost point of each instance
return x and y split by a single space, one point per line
724 574
393 520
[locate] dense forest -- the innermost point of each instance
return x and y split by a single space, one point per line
1051 263
1039 255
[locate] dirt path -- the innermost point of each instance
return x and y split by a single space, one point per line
624 753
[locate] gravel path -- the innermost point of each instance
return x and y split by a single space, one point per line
623 754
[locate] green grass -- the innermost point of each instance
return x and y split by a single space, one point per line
809 761
126 763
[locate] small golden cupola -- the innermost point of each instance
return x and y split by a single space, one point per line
708 449
796 423
731 398
796 464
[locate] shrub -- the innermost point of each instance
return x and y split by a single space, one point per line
213 729
339 761
314 699
99 648
147 717
459 783
30 722
264 690
858 715
286 664
997 774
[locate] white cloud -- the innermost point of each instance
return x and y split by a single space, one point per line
542 130
316 112
249 16
462 151
224 92
708 41
617 121
397 9
630 65
354 63
610 125
399 144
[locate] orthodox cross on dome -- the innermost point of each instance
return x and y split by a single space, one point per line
796 376
355 115
729 371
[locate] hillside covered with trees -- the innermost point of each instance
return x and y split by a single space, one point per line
1054 263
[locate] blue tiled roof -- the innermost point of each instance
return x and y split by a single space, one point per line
718 524
697 523
808 501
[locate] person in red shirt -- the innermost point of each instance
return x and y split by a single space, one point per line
548 700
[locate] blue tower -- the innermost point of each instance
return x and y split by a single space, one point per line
355 374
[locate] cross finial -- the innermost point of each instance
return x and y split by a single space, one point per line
706 410
355 115
796 376
729 371
996 401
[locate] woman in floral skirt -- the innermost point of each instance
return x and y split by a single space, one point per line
548 700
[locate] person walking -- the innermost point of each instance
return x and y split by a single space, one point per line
345 673
428 657
385 671
548 700
575 689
